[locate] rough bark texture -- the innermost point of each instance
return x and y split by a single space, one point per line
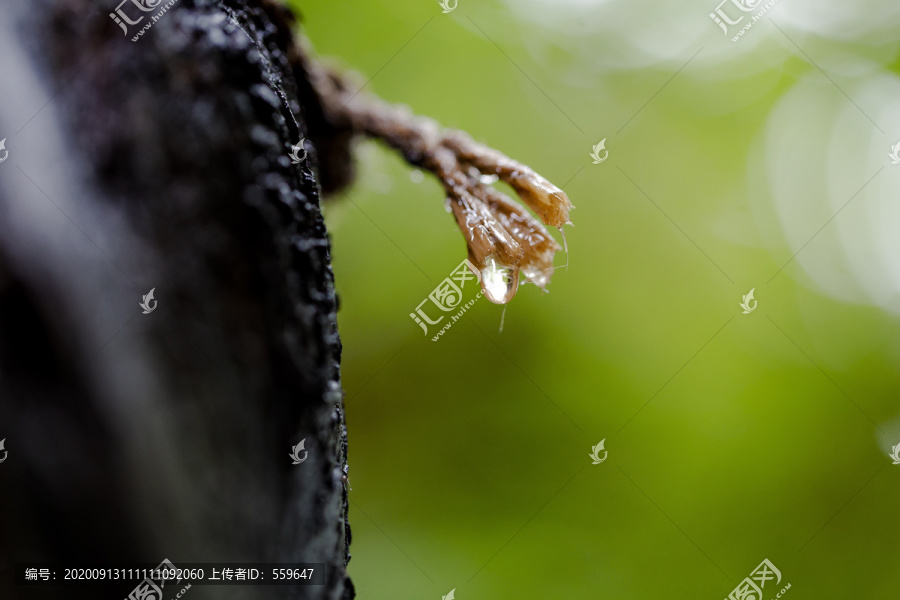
163 163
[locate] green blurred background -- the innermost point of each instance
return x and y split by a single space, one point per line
731 437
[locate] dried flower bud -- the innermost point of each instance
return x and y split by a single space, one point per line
550 203
539 246
485 234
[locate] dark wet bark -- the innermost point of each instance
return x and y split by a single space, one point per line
163 163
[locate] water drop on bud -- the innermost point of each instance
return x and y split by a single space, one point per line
498 281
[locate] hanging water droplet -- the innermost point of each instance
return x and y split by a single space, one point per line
498 281
416 176
447 206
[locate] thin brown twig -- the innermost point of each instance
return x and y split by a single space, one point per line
503 238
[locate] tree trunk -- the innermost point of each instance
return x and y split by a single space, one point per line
163 163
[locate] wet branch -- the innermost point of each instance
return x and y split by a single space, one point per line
503 238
